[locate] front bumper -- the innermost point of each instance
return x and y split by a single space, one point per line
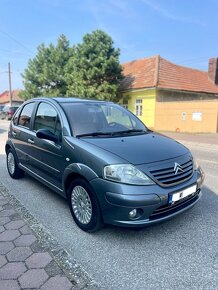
152 202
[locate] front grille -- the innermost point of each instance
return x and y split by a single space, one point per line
165 175
170 209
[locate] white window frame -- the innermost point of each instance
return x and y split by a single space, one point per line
138 107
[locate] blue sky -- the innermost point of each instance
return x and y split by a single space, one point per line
184 32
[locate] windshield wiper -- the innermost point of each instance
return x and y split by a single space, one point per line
93 134
128 131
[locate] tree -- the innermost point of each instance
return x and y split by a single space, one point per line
93 70
45 74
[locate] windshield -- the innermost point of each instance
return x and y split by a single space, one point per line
96 119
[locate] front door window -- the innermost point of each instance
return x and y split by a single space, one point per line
47 118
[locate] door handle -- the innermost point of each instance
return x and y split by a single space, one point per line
14 134
30 141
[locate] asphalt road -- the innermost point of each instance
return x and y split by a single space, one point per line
179 254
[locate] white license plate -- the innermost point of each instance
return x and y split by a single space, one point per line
182 194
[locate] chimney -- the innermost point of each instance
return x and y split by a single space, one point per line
213 70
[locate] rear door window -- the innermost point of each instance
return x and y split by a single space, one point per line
26 114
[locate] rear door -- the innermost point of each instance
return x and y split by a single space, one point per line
22 134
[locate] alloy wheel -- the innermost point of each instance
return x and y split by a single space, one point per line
11 163
81 204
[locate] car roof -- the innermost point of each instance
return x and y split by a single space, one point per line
70 100
77 100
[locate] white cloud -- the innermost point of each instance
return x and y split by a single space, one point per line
167 14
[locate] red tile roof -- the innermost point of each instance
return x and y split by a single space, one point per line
4 97
159 72
139 73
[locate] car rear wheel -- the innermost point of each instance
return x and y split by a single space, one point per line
12 165
84 206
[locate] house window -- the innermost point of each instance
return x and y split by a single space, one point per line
138 107
125 105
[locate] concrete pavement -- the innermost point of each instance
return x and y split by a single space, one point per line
23 261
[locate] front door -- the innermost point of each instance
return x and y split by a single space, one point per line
48 157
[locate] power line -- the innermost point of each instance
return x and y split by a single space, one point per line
15 40
14 52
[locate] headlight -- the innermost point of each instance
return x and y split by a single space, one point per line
195 164
126 173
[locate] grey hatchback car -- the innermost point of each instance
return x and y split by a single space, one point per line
109 166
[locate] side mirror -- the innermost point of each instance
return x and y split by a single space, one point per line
46 134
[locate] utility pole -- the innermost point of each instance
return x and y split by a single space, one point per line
9 77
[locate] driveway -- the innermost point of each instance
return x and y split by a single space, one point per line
179 254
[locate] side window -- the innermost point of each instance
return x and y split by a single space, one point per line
25 116
47 118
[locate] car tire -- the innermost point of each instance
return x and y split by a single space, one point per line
12 165
84 206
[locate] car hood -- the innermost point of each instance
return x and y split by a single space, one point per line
141 149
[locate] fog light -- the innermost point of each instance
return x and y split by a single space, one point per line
133 213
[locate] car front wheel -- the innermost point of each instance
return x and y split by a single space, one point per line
12 165
84 206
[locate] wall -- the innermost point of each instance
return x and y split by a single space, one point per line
168 110
148 102
187 116
166 95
